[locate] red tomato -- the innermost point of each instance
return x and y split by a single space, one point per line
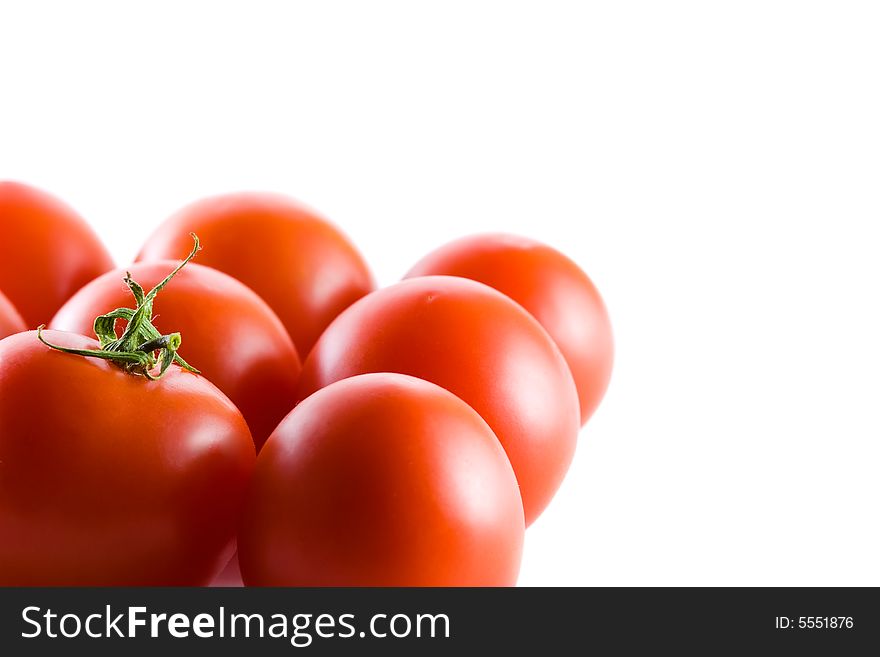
480 345
552 288
10 321
302 265
47 252
229 334
382 480
107 478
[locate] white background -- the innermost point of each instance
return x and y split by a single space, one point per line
712 165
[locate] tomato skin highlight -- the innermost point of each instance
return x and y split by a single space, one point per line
304 267
107 478
229 334
382 480
476 343
10 320
47 252
552 288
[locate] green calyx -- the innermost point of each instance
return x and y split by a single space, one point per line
141 347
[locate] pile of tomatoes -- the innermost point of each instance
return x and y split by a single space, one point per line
267 408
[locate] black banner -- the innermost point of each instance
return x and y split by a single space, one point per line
437 621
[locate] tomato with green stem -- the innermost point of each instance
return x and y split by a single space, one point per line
119 464
47 251
233 337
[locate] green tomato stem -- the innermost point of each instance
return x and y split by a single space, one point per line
141 347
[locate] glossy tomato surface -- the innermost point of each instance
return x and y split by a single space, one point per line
107 478
47 252
302 265
229 334
10 321
480 345
552 288
382 480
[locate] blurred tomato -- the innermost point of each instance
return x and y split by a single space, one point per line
301 264
382 480
229 334
480 345
47 252
10 321
552 288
